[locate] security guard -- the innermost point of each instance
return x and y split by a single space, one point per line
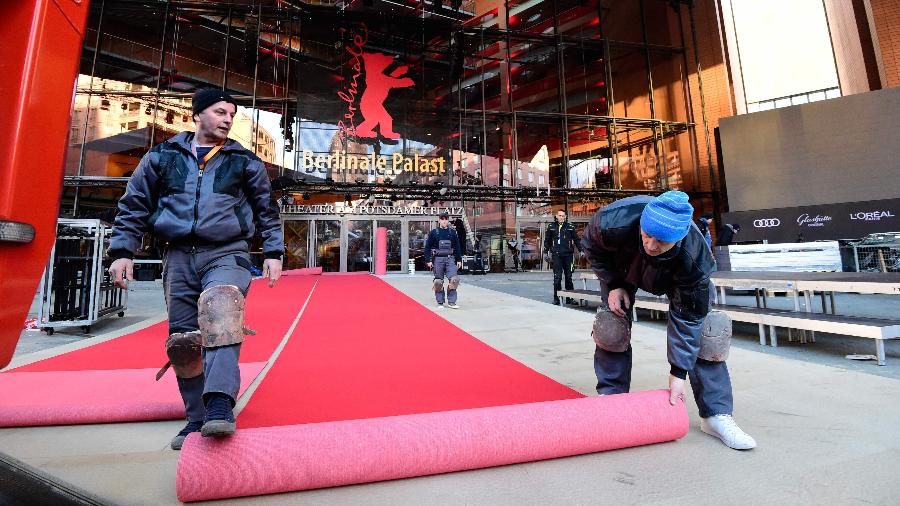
560 243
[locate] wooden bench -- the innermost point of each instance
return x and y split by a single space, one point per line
872 328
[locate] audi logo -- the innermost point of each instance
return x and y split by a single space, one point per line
767 223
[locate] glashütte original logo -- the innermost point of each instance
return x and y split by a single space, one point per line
871 216
810 221
766 223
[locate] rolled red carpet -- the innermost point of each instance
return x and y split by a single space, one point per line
104 396
269 460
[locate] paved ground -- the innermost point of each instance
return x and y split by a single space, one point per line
828 349
826 426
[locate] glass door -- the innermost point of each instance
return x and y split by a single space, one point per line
394 250
328 245
418 232
530 253
296 244
359 246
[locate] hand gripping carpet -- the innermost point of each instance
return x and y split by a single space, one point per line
373 386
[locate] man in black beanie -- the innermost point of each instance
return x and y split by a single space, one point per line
207 196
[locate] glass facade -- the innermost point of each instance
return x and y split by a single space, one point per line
507 110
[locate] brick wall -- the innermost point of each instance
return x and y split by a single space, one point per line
716 84
885 20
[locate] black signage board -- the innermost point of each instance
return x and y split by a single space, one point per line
848 220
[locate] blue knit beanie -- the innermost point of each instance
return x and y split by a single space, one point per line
667 218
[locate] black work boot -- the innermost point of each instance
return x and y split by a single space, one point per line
179 439
219 416
555 300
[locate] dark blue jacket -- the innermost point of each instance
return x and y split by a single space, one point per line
612 242
561 238
436 235
233 199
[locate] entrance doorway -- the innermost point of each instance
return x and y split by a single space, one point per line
347 243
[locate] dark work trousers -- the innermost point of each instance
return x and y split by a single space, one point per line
445 266
562 264
186 275
710 381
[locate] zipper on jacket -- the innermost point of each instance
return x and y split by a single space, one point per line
197 203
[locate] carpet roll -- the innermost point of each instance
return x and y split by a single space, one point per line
104 396
269 460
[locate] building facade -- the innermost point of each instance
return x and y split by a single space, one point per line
502 111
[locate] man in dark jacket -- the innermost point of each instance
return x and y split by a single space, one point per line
651 244
726 236
443 253
206 196
560 243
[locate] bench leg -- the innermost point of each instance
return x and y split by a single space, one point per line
879 351
762 334
773 337
722 294
833 308
633 313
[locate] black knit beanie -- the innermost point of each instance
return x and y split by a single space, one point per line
208 96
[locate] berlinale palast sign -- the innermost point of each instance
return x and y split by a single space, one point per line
369 210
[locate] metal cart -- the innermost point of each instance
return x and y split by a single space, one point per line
75 289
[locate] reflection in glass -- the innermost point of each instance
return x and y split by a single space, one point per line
581 262
418 232
530 255
328 245
393 244
296 244
359 246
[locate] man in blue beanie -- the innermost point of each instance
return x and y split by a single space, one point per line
652 244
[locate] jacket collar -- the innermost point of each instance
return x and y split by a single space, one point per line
183 141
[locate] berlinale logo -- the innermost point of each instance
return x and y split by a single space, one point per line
377 124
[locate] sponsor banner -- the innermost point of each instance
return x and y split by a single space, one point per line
848 220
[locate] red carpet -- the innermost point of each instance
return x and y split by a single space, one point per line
373 386
363 349
281 459
77 397
114 381
269 311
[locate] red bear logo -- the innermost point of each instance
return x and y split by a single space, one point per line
371 104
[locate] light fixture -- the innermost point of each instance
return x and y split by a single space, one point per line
13 231
443 190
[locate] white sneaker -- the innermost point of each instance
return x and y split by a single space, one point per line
439 307
453 305
725 428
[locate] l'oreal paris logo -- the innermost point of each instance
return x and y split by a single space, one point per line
817 221
766 223
871 216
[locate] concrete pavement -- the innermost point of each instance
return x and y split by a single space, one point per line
826 434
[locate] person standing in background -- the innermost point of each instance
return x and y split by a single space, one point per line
560 243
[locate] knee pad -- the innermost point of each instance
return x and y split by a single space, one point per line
438 285
611 332
454 283
220 316
715 337
183 350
